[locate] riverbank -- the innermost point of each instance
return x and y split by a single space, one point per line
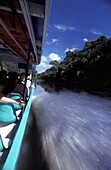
60 87
85 70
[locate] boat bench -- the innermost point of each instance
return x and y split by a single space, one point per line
9 116
7 133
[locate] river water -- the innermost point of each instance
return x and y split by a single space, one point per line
75 129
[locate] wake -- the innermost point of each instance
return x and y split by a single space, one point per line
75 130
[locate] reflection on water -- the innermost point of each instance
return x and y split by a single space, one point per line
51 87
75 130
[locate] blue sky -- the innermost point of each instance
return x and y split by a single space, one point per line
71 24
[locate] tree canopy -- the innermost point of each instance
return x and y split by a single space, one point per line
88 69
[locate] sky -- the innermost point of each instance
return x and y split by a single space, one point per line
71 24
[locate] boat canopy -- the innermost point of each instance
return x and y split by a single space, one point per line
23 23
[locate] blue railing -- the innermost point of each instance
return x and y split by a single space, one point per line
11 161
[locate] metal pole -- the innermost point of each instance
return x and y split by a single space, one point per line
26 71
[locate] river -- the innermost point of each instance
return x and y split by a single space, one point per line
75 129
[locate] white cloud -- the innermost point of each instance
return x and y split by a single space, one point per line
64 27
99 33
54 56
60 27
43 66
85 40
43 59
70 49
53 40
96 32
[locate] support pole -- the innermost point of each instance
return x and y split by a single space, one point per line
26 71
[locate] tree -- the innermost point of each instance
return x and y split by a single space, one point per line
54 63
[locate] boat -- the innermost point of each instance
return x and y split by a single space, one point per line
23 27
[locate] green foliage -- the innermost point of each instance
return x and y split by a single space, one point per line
90 68
54 63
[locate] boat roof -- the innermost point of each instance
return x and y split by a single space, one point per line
23 22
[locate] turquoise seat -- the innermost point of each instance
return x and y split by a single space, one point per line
14 96
16 106
7 113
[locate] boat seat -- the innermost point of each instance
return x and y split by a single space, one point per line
9 117
18 112
14 96
6 128
17 97
6 133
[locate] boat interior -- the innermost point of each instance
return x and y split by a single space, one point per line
23 26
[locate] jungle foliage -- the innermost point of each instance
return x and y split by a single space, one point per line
88 69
